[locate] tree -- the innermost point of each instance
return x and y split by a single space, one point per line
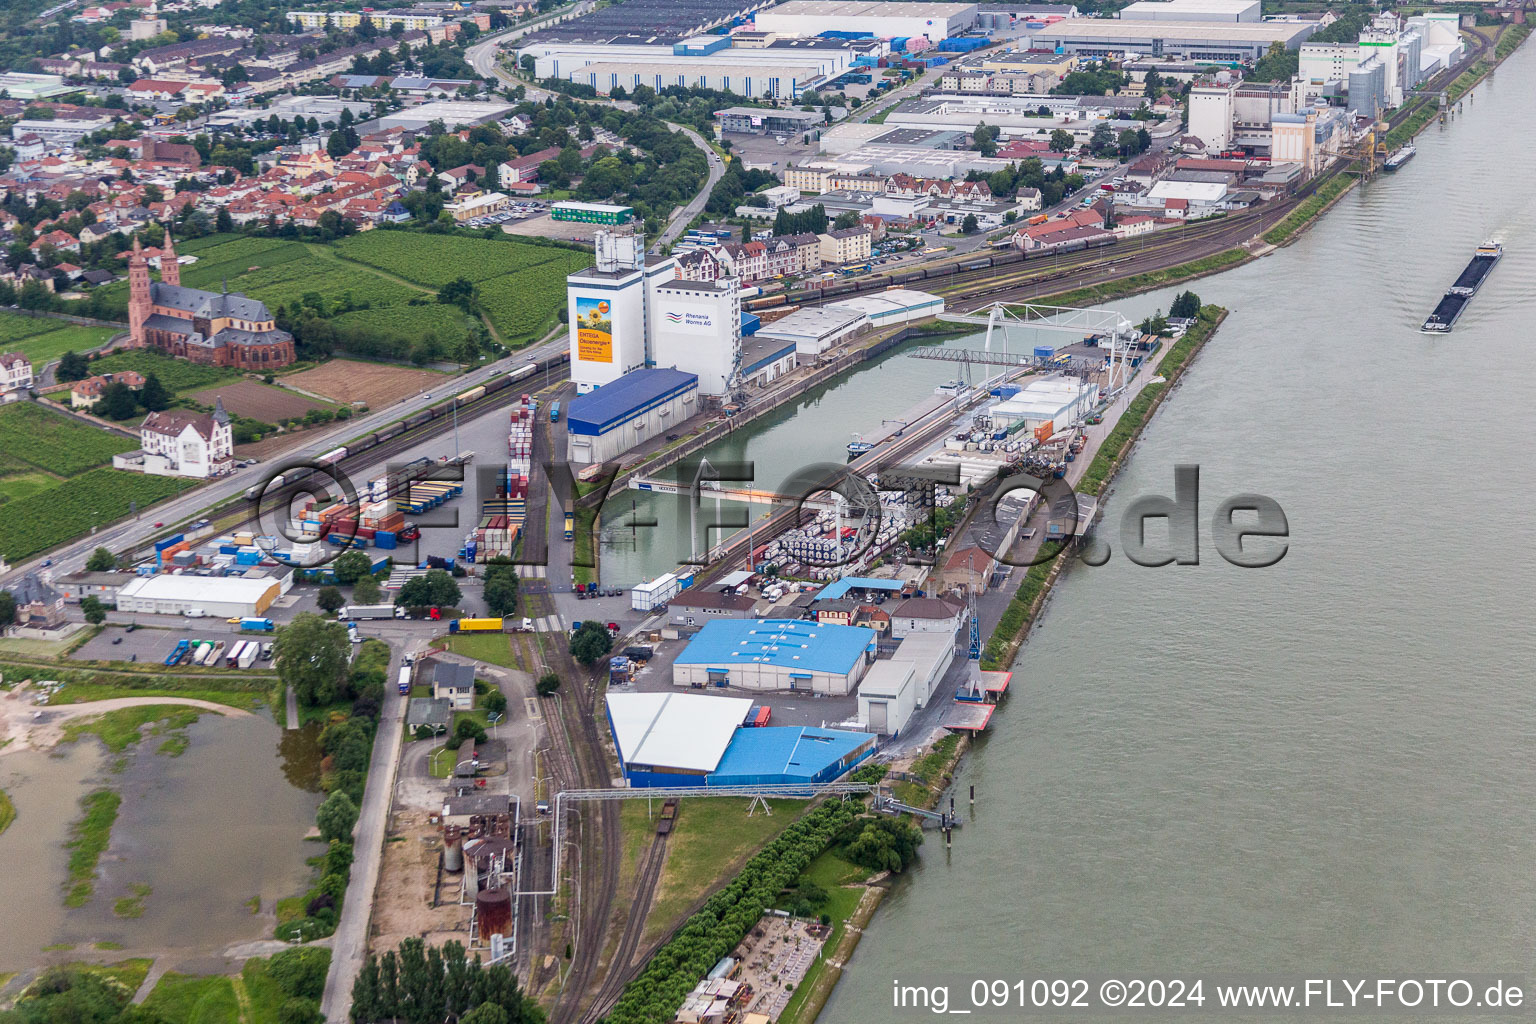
883 844
312 654
1186 306
1155 324
590 642
366 591
299 1011
494 701
7 608
1153 84
329 599
1278 65
970 223
435 589
300 972
485 1013
846 219
153 396
1062 141
338 815
501 584
95 611
1102 141
72 366
548 683
458 292
984 139
118 402
352 566
223 222
101 560
336 145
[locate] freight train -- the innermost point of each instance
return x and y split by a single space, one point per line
364 443
813 291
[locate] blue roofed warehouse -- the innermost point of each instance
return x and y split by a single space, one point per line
608 421
776 654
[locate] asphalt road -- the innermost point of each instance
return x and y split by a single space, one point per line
349 944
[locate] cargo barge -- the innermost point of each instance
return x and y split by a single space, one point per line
1399 158
1455 300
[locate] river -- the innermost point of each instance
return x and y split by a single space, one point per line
1319 767
206 831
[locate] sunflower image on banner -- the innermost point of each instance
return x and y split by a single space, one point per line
594 330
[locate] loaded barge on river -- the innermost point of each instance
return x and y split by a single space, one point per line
1455 300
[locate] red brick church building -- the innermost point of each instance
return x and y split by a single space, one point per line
216 328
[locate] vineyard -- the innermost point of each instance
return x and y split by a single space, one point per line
41 339
56 515
447 322
434 260
177 375
54 442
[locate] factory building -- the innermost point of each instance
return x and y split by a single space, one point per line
223 597
679 739
608 421
763 121
819 59
606 309
893 307
1403 54
1246 11
894 688
745 79
765 360
1189 40
776 654
885 19
695 326
1055 402
814 330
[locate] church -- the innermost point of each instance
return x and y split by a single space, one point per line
215 328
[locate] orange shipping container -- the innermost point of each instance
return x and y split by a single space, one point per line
1044 431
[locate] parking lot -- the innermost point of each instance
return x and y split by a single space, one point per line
117 643
520 210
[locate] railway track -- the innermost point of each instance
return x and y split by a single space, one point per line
621 968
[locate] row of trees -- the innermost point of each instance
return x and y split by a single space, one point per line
421 984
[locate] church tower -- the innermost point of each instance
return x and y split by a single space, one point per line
170 270
139 298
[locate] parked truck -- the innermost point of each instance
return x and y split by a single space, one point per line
474 625
257 625
211 655
371 611
176 655
405 679
232 656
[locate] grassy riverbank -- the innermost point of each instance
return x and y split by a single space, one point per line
1310 209
1095 294
7 811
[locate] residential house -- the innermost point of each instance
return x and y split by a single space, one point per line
38 605
15 373
927 615
181 443
84 394
845 245
455 683
747 261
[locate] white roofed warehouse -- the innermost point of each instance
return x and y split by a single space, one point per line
886 19
213 596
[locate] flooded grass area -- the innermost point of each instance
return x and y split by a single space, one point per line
170 844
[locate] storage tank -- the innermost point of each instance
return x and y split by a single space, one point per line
453 849
493 911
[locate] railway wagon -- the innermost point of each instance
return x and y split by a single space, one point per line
470 395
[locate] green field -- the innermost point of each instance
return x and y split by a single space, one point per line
54 442
189 999
447 322
41 339
369 280
175 375
61 513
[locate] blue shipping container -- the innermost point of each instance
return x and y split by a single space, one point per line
161 545
1044 352
386 540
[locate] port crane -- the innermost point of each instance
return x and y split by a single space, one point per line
1119 338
